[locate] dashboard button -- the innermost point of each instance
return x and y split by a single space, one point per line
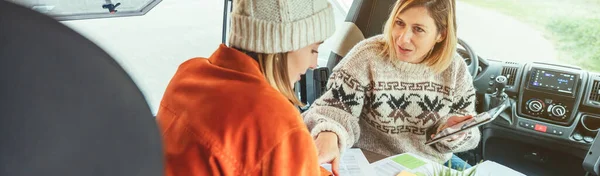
540 128
577 137
529 126
556 132
558 111
588 139
535 105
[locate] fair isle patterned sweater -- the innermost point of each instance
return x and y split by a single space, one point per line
392 107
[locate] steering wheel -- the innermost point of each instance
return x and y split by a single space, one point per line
472 60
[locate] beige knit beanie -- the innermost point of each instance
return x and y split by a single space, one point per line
278 26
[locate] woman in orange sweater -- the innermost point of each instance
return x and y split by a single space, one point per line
233 113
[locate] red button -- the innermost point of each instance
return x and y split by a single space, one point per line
541 128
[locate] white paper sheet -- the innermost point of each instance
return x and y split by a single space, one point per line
490 168
354 163
387 168
421 166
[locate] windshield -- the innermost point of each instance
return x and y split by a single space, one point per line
151 45
549 31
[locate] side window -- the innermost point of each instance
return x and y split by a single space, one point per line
340 10
344 4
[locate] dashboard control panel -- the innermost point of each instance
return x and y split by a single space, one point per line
550 94
547 108
542 128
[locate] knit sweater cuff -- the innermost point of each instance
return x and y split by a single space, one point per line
342 134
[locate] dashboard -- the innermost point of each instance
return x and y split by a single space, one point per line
556 103
551 93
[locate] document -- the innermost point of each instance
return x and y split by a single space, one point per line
353 163
492 168
410 163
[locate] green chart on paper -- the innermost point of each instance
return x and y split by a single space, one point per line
409 161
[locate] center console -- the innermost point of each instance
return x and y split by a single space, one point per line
551 93
549 123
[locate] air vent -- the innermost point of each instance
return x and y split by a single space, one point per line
511 74
595 92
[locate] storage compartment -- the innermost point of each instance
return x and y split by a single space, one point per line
591 123
586 129
530 159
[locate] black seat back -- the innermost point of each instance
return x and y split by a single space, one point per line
67 107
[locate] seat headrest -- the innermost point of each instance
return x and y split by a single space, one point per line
365 19
370 15
346 36
67 107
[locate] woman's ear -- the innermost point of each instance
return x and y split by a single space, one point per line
440 37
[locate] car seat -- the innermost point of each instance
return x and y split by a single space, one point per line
67 107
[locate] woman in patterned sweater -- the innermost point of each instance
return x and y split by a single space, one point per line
393 91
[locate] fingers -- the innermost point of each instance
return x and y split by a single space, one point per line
467 117
457 119
440 128
457 136
335 165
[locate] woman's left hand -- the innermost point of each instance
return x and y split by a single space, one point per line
453 121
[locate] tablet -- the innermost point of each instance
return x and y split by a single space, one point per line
463 126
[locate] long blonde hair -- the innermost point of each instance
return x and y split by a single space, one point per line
274 67
443 13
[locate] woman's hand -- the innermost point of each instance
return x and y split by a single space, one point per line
453 121
329 152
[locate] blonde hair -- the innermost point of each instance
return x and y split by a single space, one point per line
442 12
275 69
